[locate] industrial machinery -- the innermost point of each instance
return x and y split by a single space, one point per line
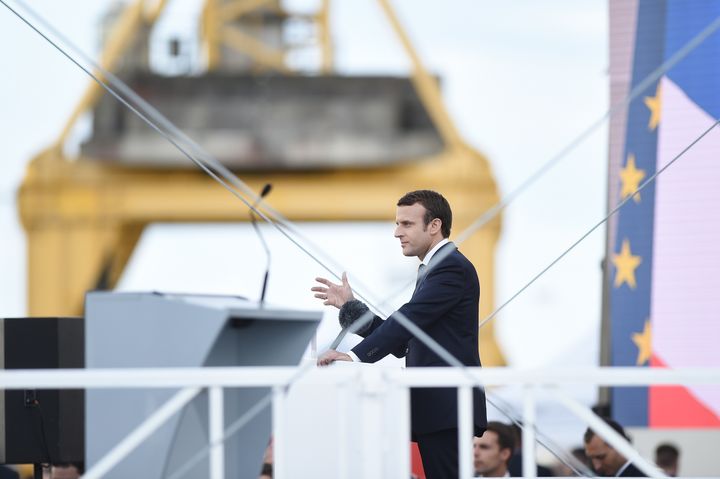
362 141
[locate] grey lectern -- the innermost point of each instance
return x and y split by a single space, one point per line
128 330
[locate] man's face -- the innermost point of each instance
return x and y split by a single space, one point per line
415 237
605 460
490 460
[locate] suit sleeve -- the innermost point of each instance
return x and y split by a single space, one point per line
355 310
441 290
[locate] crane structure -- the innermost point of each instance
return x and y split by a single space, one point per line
360 141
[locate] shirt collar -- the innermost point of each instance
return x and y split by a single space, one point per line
622 469
434 250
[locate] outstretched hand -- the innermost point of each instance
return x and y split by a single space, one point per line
333 294
330 356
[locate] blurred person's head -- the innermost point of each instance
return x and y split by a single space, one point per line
667 457
604 459
493 449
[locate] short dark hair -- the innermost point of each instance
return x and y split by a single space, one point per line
435 204
666 455
505 434
589 433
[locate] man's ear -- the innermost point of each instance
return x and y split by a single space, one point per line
505 454
435 225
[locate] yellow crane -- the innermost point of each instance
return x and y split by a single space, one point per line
83 217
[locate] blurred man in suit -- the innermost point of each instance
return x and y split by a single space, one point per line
493 450
605 460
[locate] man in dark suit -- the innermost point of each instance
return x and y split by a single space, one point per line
444 305
605 460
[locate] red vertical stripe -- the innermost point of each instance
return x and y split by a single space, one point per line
677 407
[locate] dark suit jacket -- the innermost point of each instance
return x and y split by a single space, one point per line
445 306
632 471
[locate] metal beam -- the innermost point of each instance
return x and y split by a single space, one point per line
255 49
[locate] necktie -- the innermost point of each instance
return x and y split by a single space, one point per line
421 274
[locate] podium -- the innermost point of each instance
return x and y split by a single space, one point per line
151 330
360 427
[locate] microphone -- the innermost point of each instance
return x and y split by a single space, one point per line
349 316
351 312
265 191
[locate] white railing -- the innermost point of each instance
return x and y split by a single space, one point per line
372 382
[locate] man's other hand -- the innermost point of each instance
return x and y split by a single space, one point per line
330 356
333 294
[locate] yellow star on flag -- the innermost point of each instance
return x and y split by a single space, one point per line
625 265
630 178
654 103
643 341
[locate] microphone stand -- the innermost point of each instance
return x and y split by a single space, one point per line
265 191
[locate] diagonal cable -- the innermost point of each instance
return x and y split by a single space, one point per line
227 175
598 224
477 224
643 85
489 214
187 147
451 360
238 424
544 440
433 345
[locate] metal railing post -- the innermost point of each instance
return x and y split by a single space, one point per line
400 457
529 468
278 428
343 432
216 411
465 431
371 394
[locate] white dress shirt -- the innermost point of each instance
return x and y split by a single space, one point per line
434 250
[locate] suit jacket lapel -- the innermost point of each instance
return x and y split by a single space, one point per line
433 262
